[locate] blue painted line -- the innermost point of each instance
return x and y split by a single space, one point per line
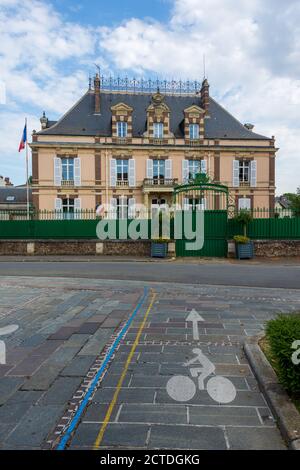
74 422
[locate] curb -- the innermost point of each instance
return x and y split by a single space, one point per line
285 412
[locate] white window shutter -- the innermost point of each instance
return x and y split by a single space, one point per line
113 208
113 172
149 169
77 172
131 172
58 204
253 173
123 207
235 173
203 166
168 169
77 207
57 171
131 208
185 171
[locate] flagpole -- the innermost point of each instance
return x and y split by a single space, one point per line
27 172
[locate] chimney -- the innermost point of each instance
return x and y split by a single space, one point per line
249 126
97 93
205 96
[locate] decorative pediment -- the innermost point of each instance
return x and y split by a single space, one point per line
194 109
121 108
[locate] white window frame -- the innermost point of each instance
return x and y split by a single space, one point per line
122 162
158 130
194 164
159 164
194 131
122 129
68 214
69 164
243 165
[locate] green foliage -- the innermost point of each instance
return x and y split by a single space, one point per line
244 217
281 334
201 178
241 239
295 202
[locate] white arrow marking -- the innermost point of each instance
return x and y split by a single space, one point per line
195 318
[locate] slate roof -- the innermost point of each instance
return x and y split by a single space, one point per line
18 193
81 120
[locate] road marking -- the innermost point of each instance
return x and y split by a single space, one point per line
194 317
121 380
62 444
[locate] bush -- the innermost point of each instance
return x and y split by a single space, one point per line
281 334
241 239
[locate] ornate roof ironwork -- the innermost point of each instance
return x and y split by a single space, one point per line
134 85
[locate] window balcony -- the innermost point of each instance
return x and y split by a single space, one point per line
120 140
122 183
194 142
244 184
162 182
67 183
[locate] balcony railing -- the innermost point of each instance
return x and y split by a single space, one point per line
68 183
166 182
122 183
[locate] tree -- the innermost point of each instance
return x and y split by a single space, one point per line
244 217
294 200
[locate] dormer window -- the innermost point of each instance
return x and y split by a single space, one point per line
158 130
194 131
121 129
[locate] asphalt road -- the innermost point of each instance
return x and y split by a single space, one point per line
256 275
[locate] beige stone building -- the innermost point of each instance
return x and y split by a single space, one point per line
130 146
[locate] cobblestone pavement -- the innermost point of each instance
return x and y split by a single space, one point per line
67 329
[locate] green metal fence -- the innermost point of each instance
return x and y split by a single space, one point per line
274 229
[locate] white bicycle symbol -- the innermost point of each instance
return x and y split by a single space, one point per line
7 330
182 388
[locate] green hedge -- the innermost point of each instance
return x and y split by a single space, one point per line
281 334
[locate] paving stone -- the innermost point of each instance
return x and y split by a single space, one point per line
27 367
61 391
13 412
136 369
96 343
110 322
111 380
243 438
115 435
89 328
130 395
8 386
233 370
35 425
79 366
44 377
153 413
34 340
223 415
187 437
25 396
64 332
97 412
4 369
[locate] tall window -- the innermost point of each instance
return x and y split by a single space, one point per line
244 171
158 130
68 208
122 129
122 171
158 170
194 168
194 131
196 203
67 169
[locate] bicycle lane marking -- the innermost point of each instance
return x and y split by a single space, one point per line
122 377
72 426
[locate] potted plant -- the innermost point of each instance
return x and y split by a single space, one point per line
159 248
244 247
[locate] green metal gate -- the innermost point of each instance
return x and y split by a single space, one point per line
213 199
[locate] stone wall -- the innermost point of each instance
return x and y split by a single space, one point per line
276 248
75 247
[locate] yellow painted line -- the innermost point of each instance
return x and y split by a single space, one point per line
121 380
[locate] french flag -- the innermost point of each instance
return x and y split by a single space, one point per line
24 139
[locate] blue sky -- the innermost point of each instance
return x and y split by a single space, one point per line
48 48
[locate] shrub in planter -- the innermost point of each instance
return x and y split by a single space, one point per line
282 333
244 248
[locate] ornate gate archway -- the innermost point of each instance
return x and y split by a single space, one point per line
214 199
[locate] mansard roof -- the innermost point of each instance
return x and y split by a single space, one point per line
80 120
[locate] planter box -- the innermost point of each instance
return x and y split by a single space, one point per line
244 250
159 250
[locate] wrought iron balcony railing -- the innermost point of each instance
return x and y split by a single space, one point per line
122 183
68 183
